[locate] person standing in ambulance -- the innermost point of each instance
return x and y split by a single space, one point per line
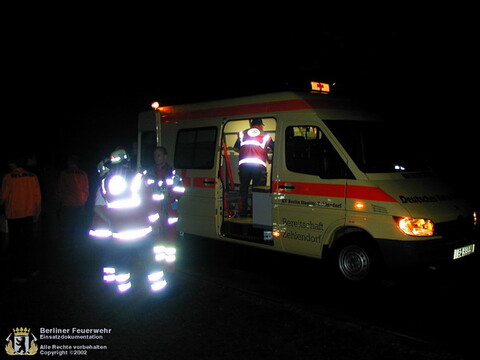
252 145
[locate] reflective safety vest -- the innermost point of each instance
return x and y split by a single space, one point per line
253 147
128 208
122 189
166 189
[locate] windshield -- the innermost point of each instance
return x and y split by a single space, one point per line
376 147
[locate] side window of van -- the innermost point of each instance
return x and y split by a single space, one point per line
195 148
308 151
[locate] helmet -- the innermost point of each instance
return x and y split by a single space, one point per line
119 156
101 168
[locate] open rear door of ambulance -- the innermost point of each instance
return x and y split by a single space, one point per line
196 157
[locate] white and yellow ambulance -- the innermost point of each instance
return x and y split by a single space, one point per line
339 186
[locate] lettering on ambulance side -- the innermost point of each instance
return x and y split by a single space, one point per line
315 230
426 198
312 203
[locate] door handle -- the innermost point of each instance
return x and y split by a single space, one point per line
287 187
209 182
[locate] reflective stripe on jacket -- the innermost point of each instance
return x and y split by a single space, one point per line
253 147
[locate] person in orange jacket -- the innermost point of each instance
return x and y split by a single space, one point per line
73 192
21 201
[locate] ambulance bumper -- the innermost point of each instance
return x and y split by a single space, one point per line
404 254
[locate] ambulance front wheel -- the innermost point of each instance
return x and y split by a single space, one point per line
356 260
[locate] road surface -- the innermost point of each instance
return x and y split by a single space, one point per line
231 302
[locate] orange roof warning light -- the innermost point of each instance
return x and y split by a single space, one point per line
323 88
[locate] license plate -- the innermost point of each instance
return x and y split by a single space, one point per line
463 251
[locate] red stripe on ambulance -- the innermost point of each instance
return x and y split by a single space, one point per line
170 113
332 190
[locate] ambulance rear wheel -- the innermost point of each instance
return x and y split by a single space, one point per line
356 261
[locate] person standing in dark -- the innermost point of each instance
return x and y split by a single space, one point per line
252 145
21 199
161 170
166 189
73 192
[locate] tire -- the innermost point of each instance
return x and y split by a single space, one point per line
356 261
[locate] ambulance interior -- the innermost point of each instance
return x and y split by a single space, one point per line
233 226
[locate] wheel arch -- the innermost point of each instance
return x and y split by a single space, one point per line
352 235
349 233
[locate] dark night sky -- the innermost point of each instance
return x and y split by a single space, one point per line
77 83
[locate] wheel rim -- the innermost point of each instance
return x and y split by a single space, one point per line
354 262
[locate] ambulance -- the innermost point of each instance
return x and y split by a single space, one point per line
339 187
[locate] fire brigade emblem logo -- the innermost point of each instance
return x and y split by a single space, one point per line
253 132
21 342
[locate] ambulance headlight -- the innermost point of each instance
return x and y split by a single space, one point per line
117 185
415 227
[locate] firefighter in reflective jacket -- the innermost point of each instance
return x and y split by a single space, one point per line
124 219
165 188
253 145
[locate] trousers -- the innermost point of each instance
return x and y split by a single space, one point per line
21 235
256 174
